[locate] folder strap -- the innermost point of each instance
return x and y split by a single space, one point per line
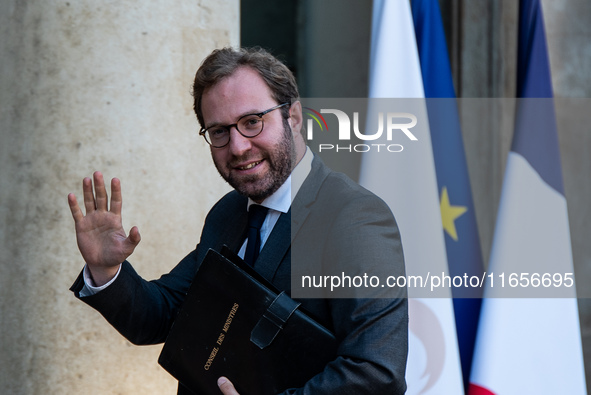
273 320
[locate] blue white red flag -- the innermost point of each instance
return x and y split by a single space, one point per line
531 345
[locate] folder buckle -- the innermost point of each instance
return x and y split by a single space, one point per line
273 320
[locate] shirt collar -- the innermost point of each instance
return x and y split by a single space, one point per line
281 199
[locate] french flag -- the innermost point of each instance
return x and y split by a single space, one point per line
531 345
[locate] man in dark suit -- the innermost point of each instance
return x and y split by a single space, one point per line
246 102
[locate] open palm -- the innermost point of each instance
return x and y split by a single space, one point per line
100 235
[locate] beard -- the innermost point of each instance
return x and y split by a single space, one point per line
280 164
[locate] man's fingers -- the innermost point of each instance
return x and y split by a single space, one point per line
134 236
226 386
132 240
74 208
116 199
100 191
89 203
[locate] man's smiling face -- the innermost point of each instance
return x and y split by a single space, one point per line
256 167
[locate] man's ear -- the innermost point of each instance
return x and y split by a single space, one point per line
296 117
296 122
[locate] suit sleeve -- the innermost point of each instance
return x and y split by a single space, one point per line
142 311
373 332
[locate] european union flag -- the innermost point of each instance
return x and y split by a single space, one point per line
464 255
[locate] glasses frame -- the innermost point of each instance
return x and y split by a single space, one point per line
203 131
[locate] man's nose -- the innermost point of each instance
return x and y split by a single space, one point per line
238 143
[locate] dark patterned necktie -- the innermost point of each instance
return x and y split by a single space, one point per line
256 217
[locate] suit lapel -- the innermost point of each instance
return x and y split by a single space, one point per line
237 235
275 248
235 214
300 208
289 224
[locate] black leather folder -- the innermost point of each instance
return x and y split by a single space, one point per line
235 324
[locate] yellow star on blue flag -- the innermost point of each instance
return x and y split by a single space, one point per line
449 214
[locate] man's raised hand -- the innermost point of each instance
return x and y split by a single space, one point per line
100 235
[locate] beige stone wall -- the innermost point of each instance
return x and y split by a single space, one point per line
96 85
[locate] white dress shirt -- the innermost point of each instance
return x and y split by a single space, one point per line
280 201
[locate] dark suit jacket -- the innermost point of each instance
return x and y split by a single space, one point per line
331 216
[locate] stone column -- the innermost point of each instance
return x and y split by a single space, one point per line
84 86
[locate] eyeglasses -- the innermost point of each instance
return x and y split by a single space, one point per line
249 126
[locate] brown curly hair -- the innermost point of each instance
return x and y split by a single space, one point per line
223 62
